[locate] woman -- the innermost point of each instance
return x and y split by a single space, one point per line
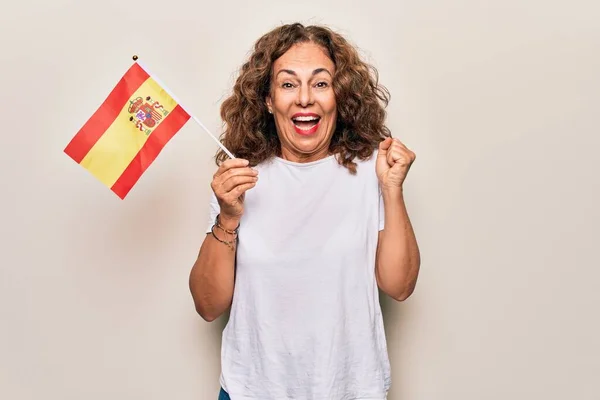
296 243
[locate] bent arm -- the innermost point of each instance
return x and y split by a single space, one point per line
398 258
212 276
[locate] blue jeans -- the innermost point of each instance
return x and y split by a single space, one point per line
223 395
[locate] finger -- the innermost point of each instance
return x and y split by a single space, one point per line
394 153
231 163
236 172
239 190
402 145
398 143
232 183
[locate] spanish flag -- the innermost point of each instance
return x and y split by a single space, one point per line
128 131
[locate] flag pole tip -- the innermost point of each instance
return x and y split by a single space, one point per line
135 57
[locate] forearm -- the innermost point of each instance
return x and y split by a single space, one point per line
212 276
398 258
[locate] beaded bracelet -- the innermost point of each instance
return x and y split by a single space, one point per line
218 225
231 232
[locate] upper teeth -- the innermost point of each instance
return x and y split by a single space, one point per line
305 118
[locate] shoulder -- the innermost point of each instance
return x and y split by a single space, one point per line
366 165
369 159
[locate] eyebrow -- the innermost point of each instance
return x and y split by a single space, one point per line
315 72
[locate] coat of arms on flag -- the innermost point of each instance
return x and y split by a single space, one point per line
128 131
146 113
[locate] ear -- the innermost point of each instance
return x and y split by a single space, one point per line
269 104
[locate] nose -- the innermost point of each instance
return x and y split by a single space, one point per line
305 96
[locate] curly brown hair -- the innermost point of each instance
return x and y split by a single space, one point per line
249 130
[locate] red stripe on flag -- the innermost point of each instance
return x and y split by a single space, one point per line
148 153
101 120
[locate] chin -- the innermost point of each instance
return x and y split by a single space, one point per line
308 142
311 150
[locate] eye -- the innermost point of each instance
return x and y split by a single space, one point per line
322 84
287 85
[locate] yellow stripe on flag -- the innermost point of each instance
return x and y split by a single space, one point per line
120 143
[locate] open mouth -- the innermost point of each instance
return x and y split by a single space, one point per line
306 124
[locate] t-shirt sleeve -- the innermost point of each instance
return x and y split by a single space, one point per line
381 211
213 211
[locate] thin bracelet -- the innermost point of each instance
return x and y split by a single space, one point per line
228 243
233 232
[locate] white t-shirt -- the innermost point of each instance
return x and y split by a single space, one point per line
305 322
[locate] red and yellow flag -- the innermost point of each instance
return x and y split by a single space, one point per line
128 131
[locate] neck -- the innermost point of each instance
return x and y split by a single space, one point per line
298 157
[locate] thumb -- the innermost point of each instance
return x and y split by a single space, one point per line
384 146
382 163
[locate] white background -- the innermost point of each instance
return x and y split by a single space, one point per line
499 99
